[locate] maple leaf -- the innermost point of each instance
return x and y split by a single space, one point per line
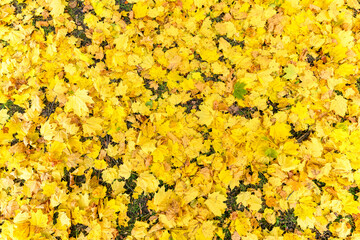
57 7
270 152
21 217
290 148
247 199
280 131
341 229
140 9
100 164
161 199
305 214
206 115
339 105
290 71
239 90
92 126
315 147
110 174
3 116
345 70
140 229
59 197
77 102
215 203
288 163
147 182
190 195
206 231
48 131
38 218
125 170
63 221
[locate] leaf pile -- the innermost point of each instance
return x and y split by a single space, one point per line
179 119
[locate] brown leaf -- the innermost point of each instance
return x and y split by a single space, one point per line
73 4
235 236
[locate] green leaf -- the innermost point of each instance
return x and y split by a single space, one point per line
270 152
149 103
290 72
239 90
342 126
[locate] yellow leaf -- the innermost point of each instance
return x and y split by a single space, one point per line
218 68
346 38
57 7
341 229
140 9
49 188
290 148
147 182
109 175
200 3
305 214
56 148
134 60
280 131
92 126
206 231
339 105
159 153
118 188
190 195
225 176
48 131
345 70
155 12
350 206
215 203
342 165
338 52
148 146
301 110
287 163
100 164
125 170
140 230
21 217
315 147
242 224
112 151
205 115
3 116
162 199
38 219
84 200
357 177
59 197
77 103
100 8
209 55
353 3
70 69
121 42
6 138
168 223
63 221
187 84
247 199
